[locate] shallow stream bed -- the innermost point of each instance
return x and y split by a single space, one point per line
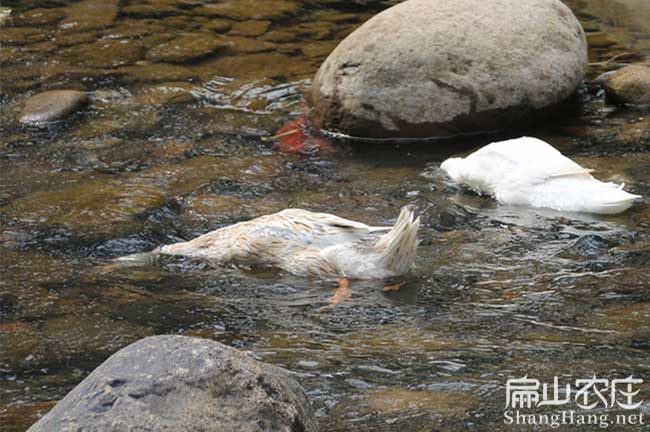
171 148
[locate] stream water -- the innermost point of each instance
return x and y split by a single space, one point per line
171 148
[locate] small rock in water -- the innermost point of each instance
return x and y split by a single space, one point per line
5 12
250 28
359 384
630 85
242 10
186 48
599 40
89 15
37 17
218 25
588 246
308 364
176 383
107 53
52 105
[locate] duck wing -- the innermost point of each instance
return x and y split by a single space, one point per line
518 163
322 230
271 236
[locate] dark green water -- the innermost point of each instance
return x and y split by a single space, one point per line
172 150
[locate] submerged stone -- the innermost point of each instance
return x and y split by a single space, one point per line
144 10
186 48
438 68
136 29
107 53
5 13
399 401
22 35
629 14
92 208
599 40
250 45
89 15
248 9
167 94
157 72
261 66
52 105
71 39
22 416
218 25
250 28
39 16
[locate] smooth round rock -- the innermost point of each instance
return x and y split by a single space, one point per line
52 105
178 383
438 68
629 85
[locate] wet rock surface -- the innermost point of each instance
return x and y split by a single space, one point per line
89 15
88 207
176 382
376 83
249 9
630 85
107 53
35 17
218 25
250 28
52 106
186 48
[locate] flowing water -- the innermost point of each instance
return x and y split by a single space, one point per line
171 148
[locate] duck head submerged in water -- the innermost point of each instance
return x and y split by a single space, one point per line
309 244
530 172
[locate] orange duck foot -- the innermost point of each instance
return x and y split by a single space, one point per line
395 287
342 293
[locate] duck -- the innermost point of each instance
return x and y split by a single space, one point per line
309 244
530 172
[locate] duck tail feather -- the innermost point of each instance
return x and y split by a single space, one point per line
615 200
398 247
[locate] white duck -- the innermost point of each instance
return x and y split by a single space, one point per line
530 172
309 244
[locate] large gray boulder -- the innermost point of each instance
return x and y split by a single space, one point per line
437 68
178 383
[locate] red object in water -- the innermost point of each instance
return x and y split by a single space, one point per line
296 137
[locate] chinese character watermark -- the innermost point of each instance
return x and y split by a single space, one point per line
584 401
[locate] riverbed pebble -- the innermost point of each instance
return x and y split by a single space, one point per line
186 48
89 15
52 105
629 85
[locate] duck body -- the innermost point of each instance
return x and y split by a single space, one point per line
305 243
530 172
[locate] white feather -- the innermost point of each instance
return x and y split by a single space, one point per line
530 172
306 243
